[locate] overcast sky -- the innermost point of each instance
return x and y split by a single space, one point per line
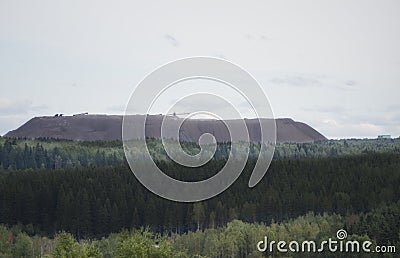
332 64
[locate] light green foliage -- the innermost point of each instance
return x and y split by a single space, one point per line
89 250
239 239
5 243
236 239
142 243
66 246
23 246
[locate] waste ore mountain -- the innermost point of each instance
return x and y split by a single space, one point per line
86 127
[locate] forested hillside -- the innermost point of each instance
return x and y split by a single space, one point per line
95 201
54 154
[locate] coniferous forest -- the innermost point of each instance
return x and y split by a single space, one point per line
80 199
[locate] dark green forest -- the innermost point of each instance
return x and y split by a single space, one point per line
51 187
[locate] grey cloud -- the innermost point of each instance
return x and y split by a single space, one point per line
256 37
263 37
348 85
19 107
327 109
248 37
351 83
172 40
392 108
378 118
297 81
76 85
314 81
116 108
